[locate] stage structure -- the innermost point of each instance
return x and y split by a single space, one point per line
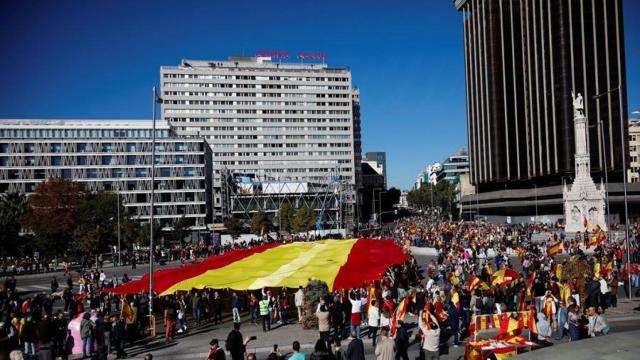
244 194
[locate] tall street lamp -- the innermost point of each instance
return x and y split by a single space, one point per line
624 187
155 101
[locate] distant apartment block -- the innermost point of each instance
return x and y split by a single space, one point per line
112 155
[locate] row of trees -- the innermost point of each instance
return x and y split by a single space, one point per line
61 217
441 195
286 220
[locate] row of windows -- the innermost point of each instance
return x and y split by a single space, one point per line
287 170
95 148
253 86
99 160
281 153
258 120
256 103
254 77
270 128
53 132
256 111
257 94
94 173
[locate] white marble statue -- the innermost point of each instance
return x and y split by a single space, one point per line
583 200
578 104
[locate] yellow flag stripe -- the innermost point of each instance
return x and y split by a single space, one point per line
289 265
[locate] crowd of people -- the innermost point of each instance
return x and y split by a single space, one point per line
566 294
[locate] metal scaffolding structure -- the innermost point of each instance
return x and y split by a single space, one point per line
246 194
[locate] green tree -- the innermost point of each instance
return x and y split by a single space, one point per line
315 290
285 217
96 222
233 227
181 229
51 214
144 235
304 220
260 223
12 207
441 196
129 233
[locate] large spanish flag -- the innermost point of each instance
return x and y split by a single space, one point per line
339 263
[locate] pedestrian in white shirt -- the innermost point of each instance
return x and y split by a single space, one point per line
299 301
373 314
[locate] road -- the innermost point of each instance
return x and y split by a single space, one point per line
34 283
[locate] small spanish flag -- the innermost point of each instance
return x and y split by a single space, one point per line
586 223
455 299
475 282
127 310
505 352
555 249
596 229
597 240
606 269
530 281
398 315
504 277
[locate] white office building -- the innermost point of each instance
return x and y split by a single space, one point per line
272 121
112 155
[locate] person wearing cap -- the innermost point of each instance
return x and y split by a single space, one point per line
215 352
385 348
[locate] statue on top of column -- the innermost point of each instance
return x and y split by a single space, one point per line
578 105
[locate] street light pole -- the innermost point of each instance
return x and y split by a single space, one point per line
624 187
153 181
536 196
606 177
119 248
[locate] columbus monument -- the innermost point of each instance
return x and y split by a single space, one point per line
584 202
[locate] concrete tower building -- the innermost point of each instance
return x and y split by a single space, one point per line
279 121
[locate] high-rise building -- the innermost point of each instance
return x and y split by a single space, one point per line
111 155
378 162
633 172
454 165
523 59
268 120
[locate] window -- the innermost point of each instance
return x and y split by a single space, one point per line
131 160
92 173
165 172
107 160
56 148
67 174
106 147
82 160
131 147
4 161
141 172
29 148
116 173
56 160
